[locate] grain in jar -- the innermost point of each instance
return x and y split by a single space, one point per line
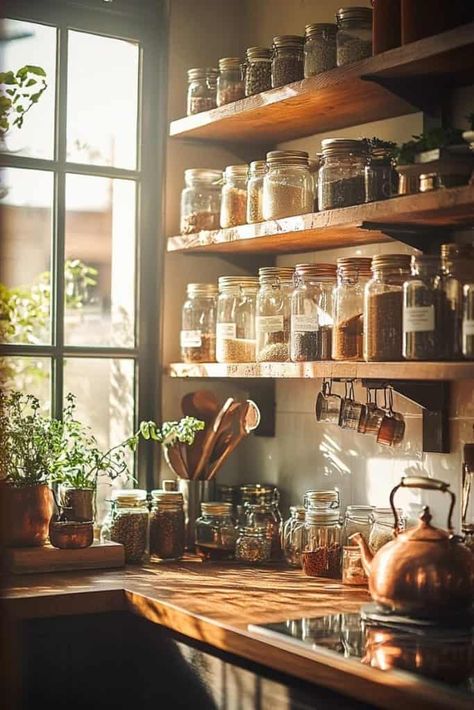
236 309
288 186
127 523
319 48
341 181
288 59
166 525
257 171
273 313
312 312
234 196
202 90
258 70
230 83
198 324
200 200
352 276
354 34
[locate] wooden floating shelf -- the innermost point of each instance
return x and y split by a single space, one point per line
313 370
453 207
394 83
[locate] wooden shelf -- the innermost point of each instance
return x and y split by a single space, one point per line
394 83
453 207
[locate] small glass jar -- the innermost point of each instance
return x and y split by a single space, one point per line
234 196
356 520
293 536
288 186
353 573
381 178
253 545
258 70
230 82
312 312
382 524
257 171
354 34
383 307
127 523
352 275
321 556
319 48
201 200
268 517
198 324
216 533
342 173
166 525
322 499
288 59
457 264
202 90
273 313
235 329
468 322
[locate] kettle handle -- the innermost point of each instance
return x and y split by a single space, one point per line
431 484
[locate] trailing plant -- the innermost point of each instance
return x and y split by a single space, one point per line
428 140
20 91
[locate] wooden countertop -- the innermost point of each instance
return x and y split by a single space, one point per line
214 604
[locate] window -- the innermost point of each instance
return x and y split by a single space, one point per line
79 218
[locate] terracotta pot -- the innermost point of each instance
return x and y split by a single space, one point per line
80 502
26 512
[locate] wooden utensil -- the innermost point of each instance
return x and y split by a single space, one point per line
174 460
249 420
210 438
202 404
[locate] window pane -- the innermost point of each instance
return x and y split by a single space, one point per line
100 261
30 375
26 43
102 101
26 199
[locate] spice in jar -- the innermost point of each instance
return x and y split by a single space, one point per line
319 48
258 70
127 523
167 525
321 556
353 573
273 313
202 90
324 561
200 200
352 275
198 324
234 196
230 84
354 34
235 330
341 179
288 59
288 185
252 546
312 312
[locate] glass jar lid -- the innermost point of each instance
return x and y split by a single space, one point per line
355 14
288 41
231 282
316 28
201 290
321 517
216 508
236 170
317 271
161 496
128 497
229 63
205 175
343 146
297 512
259 53
324 498
287 157
387 262
360 265
271 274
202 73
258 167
359 512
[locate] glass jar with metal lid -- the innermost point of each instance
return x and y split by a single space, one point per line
352 275
293 536
216 533
202 89
322 499
288 59
381 178
257 171
268 517
457 264
230 82
354 34
382 523
166 525
127 523
288 187
258 70
259 493
312 312
383 307
201 200
321 556
357 519
342 173
198 324
273 313
319 48
234 196
235 328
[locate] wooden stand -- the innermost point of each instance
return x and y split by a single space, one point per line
27 560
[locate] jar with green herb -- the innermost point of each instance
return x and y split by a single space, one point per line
127 523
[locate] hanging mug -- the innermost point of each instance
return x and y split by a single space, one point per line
370 424
351 411
328 405
392 426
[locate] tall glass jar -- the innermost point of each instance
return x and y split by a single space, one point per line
293 536
234 196
457 264
354 34
268 517
288 187
342 173
357 519
198 324
382 524
319 48
230 83
321 556
127 523
383 307
202 90
166 525
216 533
258 70
352 275
381 178
201 200
288 59
236 309
257 171
312 312
273 313
468 322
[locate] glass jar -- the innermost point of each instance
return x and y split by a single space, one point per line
319 48
468 322
258 70
255 493
381 178
201 200
288 59
312 312
273 313
127 523
321 556
382 524
292 536
322 500
202 90
354 34
216 533
352 276
253 545
457 264
268 517
257 171
288 187
353 573
166 525
342 173
383 307
235 329
230 82
356 520
234 196
198 324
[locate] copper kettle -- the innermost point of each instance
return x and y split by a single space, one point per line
425 572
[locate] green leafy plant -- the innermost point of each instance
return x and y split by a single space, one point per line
433 138
20 91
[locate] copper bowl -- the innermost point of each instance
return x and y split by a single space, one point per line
71 535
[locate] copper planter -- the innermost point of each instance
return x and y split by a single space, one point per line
71 535
26 512
79 502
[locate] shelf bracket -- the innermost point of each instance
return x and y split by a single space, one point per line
426 239
423 91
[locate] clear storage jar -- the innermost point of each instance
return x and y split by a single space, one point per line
234 196
322 499
288 187
382 524
235 328
253 545
257 171
347 339
273 313
127 523
202 90
383 307
230 82
321 556
200 200
288 59
167 537
198 324
319 48
354 34
258 70
381 178
353 573
457 264
342 173
312 312
357 520
216 533
293 536
268 517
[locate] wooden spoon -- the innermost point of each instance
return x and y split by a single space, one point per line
210 438
249 420
174 460
202 404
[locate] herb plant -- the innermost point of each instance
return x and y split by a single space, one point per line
20 91
434 138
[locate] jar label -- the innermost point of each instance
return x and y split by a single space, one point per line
467 328
307 324
269 324
418 319
190 339
226 330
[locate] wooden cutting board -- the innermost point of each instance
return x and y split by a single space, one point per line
100 555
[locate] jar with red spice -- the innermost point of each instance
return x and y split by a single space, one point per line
322 548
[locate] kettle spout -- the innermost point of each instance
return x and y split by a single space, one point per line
366 555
